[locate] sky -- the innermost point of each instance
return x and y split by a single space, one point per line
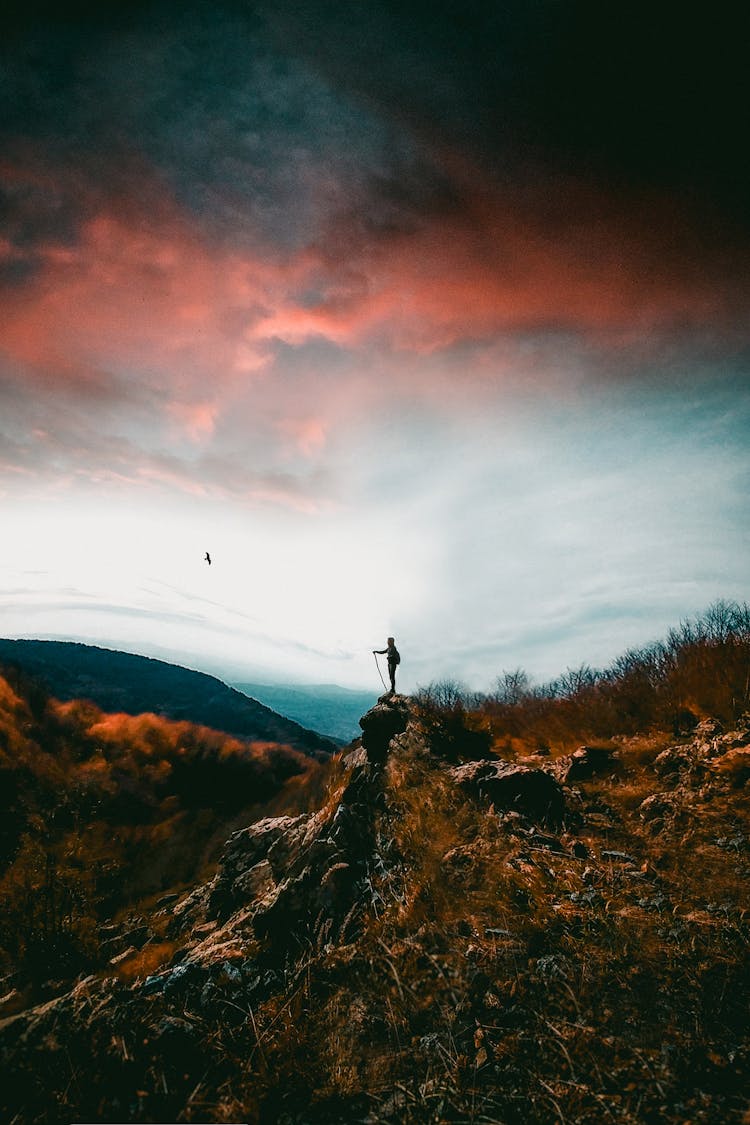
424 320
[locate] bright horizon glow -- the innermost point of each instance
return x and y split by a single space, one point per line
484 558
277 597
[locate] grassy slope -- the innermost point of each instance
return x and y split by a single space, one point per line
502 977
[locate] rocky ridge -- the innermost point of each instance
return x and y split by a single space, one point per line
303 893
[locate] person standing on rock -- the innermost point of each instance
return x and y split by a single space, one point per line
393 657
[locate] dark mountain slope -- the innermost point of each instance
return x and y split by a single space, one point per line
121 681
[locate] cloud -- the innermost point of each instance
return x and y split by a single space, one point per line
137 294
196 191
197 420
507 267
146 352
649 100
226 242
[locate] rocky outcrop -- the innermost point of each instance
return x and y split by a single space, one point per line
287 936
710 751
387 719
290 880
532 792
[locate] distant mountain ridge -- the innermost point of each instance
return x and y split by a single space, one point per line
327 708
123 681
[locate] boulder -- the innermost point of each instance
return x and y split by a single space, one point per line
708 728
656 807
245 869
294 879
585 762
382 723
735 765
672 760
531 792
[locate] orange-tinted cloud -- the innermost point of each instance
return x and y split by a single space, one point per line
148 300
499 267
307 435
170 348
140 299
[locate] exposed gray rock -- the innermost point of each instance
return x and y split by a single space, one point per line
257 881
290 879
657 806
619 857
120 957
244 851
355 758
673 759
533 793
205 928
168 899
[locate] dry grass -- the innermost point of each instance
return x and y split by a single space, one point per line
500 981
499 973
148 960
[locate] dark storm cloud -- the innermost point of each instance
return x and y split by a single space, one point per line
417 176
649 95
244 134
317 123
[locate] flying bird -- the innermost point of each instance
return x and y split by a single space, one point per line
208 558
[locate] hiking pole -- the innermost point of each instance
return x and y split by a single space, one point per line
379 672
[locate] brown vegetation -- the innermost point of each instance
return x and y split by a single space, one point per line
701 668
101 810
505 975
411 952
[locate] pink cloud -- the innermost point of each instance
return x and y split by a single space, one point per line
146 299
197 420
509 260
142 299
308 435
145 318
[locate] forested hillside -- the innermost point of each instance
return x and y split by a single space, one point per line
123 681
99 811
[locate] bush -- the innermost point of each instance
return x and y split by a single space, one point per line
702 668
452 721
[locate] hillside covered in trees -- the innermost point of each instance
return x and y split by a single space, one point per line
124 681
99 811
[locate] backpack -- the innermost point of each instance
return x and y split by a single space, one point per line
396 657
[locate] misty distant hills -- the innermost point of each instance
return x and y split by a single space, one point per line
121 681
323 707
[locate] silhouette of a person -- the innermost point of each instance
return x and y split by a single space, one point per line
394 659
